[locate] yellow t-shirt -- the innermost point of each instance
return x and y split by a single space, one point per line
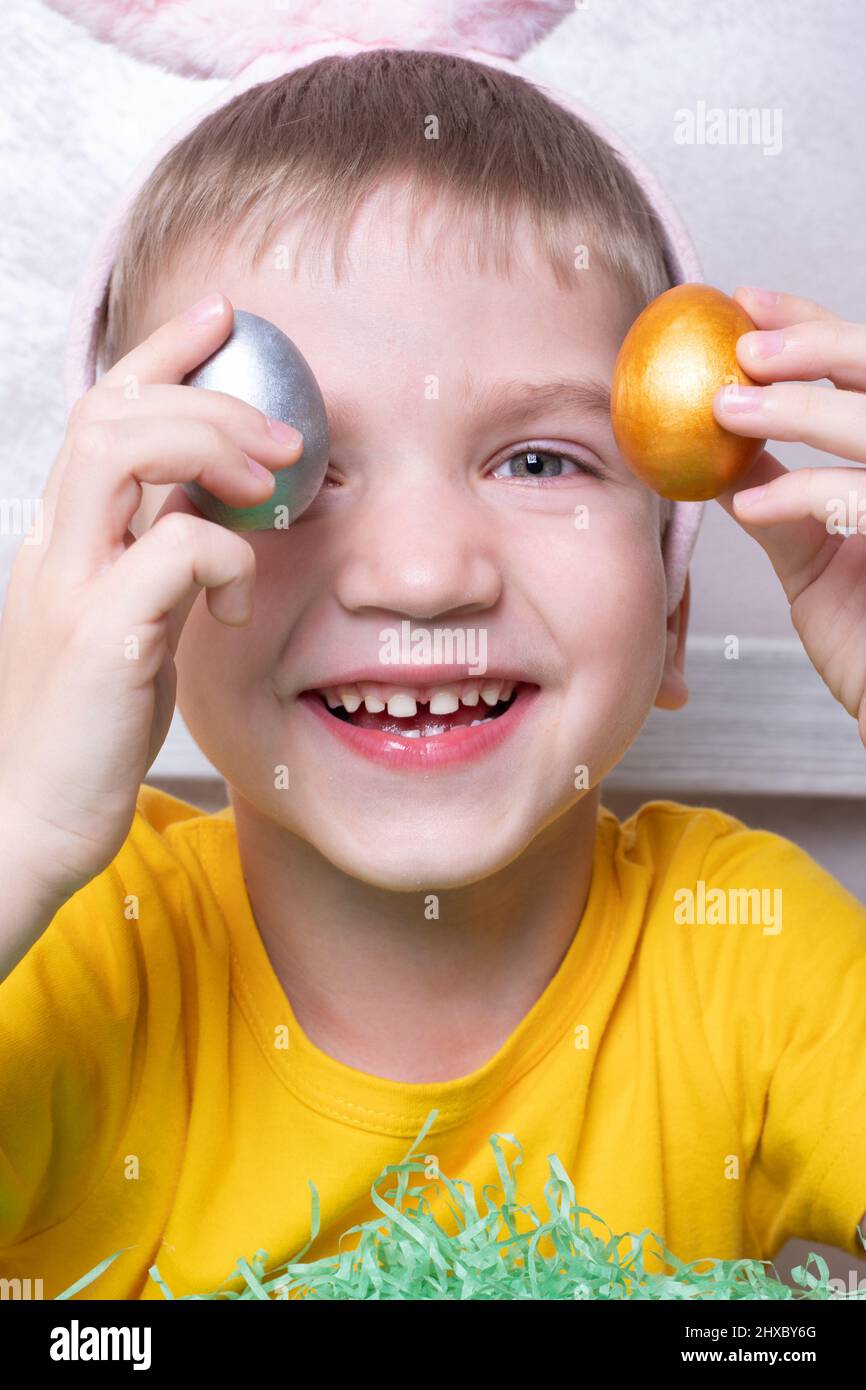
705 1081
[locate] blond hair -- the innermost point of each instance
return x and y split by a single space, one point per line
317 141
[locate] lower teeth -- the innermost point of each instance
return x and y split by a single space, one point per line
416 733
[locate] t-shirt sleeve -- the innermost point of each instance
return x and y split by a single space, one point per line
785 1002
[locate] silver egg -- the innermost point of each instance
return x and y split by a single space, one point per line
260 365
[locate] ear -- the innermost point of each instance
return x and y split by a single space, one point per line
673 691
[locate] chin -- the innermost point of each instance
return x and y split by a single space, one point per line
412 865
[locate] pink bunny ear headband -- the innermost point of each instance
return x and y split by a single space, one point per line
249 43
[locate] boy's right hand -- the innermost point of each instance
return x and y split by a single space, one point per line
92 616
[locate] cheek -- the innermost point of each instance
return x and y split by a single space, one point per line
218 665
634 586
204 694
238 662
602 587
610 616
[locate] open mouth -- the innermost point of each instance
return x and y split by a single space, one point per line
423 728
421 712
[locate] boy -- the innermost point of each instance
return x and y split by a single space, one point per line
401 910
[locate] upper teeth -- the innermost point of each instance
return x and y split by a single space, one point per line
402 701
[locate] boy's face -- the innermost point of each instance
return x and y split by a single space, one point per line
562 579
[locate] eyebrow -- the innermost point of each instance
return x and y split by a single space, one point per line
511 401
508 401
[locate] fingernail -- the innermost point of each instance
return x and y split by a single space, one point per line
283 432
206 309
258 469
765 297
736 397
750 495
765 344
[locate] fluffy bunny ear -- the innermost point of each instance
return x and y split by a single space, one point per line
218 38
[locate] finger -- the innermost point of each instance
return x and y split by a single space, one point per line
822 416
765 468
807 351
818 507
101 487
776 309
178 501
167 355
271 441
172 350
798 548
830 495
168 567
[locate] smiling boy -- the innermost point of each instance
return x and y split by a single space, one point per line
419 520
427 912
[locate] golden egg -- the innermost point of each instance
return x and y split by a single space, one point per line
675 356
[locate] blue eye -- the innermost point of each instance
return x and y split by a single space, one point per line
543 464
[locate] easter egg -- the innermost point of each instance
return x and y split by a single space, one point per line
260 365
680 349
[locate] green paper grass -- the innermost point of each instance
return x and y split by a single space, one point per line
408 1255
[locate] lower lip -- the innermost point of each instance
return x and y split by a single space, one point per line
462 745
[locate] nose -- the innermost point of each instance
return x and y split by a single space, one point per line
422 550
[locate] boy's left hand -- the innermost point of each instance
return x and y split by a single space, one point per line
822 572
